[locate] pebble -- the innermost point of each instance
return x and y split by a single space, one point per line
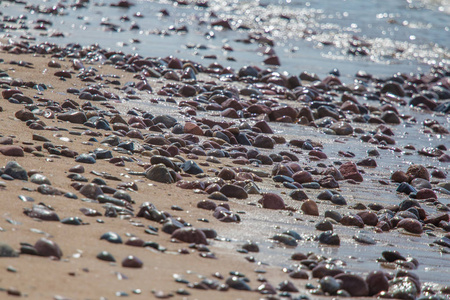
12 151
218 196
234 191
392 255
106 256
159 173
237 283
191 167
403 288
329 238
91 190
287 286
85 158
15 170
7 251
46 247
112 237
272 201
329 285
377 282
324 225
286 239
309 207
364 239
338 199
132 262
298 195
39 179
190 235
411 225
41 212
355 285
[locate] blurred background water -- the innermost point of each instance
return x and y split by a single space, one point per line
381 37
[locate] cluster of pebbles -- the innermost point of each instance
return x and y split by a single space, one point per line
228 115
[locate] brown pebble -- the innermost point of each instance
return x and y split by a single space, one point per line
190 235
45 247
377 282
309 207
411 225
12 151
353 284
272 201
132 262
302 177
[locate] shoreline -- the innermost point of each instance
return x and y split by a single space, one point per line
312 163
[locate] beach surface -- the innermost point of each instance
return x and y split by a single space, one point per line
278 184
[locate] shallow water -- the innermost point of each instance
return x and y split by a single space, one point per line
260 225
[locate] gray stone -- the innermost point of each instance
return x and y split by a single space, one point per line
39 179
7 251
159 173
91 190
86 158
329 285
15 170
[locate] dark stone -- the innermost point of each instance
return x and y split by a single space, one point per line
237 283
16 171
329 238
234 191
106 256
86 158
353 284
111 237
190 235
191 167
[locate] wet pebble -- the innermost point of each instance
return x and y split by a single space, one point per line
272 201
324 225
329 285
286 239
309 207
355 285
377 282
392 255
329 238
364 239
411 225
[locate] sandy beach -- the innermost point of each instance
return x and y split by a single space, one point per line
221 183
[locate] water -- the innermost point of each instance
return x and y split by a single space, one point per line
394 36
